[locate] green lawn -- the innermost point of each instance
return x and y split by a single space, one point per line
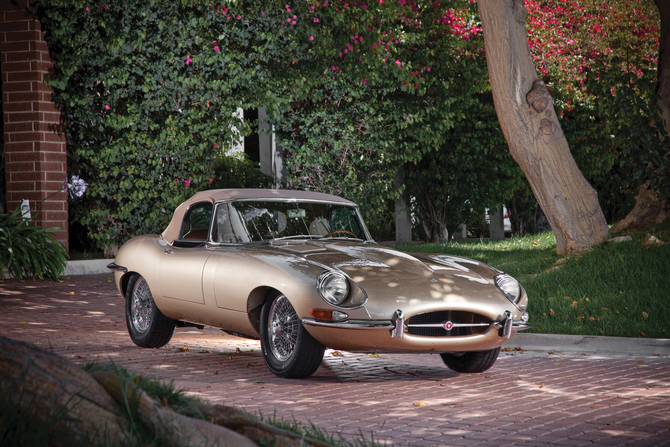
619 289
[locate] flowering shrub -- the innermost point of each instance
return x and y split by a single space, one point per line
586 52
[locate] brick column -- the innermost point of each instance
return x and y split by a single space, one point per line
35 149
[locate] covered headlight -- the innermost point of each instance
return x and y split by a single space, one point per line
333 287
509 287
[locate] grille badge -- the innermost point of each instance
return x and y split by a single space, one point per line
448 325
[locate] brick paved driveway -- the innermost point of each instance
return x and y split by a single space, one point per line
531 398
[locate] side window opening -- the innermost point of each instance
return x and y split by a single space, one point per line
195 225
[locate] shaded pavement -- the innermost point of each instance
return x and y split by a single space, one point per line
528 397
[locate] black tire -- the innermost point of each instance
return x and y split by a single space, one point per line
288 349
470 362
147 326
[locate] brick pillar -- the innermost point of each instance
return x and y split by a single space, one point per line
35 149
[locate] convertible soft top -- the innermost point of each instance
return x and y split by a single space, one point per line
217 195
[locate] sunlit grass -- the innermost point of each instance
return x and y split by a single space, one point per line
618 289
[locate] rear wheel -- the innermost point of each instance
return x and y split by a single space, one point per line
147 326
470 362
288 349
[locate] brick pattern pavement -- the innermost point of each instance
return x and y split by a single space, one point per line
526 398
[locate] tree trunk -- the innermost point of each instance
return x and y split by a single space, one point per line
532 130
172 429
46 387
91 409
649 209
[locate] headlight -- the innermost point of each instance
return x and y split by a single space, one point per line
509 287
333 287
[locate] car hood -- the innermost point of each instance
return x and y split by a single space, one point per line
397 280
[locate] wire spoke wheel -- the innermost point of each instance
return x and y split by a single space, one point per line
147 326
141 307
288 349
283 328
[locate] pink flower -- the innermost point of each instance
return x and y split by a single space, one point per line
311 37
316 20
428 69
211 180
188 60
176 179
293 22
214 42
216 48
107 107
325 3
398 63
364 81
87 9
187 182
216 146
262 12
238 17
340 54
294 63
295 17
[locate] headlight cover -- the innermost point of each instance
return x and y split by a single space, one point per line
509 287
333 287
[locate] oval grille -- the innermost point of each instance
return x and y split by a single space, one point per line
432 324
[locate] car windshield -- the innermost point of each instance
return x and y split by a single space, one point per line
252 221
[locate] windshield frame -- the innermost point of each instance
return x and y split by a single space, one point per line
210 240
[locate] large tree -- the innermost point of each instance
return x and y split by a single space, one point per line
532 130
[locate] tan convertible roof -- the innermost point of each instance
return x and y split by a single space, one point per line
217 195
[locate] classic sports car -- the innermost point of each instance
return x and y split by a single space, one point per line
299 271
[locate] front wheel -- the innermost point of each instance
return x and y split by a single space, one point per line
288 349
147 326
470 362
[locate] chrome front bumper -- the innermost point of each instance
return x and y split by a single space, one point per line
506 328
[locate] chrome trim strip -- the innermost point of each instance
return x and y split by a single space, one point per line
398 324
115 266
516 326
350 324
453 325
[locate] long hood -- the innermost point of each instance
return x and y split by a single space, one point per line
396 280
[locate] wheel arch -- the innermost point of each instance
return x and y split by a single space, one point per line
255 301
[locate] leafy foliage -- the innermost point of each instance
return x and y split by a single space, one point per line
148 91
234 172
29 250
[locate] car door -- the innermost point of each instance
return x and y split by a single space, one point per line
181 268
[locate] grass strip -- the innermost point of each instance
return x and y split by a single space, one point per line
617 289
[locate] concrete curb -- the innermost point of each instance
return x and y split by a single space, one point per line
88 267
590 343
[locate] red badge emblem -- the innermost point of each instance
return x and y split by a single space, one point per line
448 325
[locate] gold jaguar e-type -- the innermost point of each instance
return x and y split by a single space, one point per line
299 271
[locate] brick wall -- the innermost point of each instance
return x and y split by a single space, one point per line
35 150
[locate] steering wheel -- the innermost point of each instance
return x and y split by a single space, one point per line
340 231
